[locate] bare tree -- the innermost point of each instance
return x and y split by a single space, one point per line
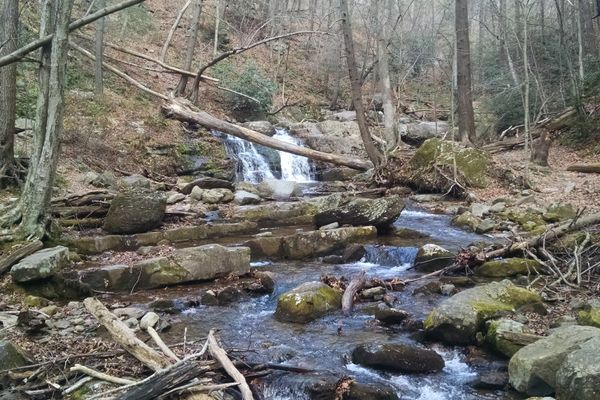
192 40
8 76
373 152
466 116
385 20
100 26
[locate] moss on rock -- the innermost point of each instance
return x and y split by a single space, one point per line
507 267
307 302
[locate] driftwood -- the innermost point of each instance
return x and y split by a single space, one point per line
92 197
353 287
221 356
177 109
125 337
586 168
13 256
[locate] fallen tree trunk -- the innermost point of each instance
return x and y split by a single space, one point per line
125 336
177 110
586 168
353 287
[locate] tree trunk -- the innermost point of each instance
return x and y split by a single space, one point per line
100 25
526 88
31 213
217 21
355 84
190 46
466 117
180 111
390 131
541 149
9 11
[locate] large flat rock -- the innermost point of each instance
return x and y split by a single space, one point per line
41 264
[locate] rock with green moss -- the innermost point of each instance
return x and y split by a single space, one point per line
496 339
277 213
466 220
183 265
317 243
358 211
434 162
507 267
565 362
135 211
432 257
559 212
41 264
307 302
11 356
590 315
527 219
458 319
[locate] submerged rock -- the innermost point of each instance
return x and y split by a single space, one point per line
507 267
307 302
380 212
398 358
458 319
432 257
566 362
135 211
41 264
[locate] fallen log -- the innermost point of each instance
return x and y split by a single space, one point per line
12 256
585 168
519 337
221 356
353 287
80 211
180 110
125 336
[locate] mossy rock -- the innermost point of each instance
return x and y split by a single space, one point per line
589 316
466 220
500 344
11 356
507 267
435 154
559 212
307 302
458 319
529 220
432 257
135 211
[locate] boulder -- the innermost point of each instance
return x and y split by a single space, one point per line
485 226
578 377
338 174
458 319
415 133
317 243
134 211
380 212
277 188
219 195
428 170
41 264
243 198
467 221
307 302
204 183
246 186
497 341
278 213
174 197
391 315
196 193
537 369
104 180
432 257
559 212
337 137
480 209
183 265
134 181
11 356
398 358
264 127
507 267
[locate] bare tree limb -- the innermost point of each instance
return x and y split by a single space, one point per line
163 52
221 356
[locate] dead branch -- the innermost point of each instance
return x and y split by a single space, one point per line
163 52
585 168
100 375
221 356
353 287
124 336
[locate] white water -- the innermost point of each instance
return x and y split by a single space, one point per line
254 167
293 167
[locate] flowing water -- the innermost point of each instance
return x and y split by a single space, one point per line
256 163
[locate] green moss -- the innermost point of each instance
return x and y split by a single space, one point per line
589 317
501 345
559 212
307 302
507 267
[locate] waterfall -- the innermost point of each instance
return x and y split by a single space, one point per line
256 163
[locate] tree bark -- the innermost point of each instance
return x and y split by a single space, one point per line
175 109
390 131
355 84
9 11
356 284
466 117
541 149
100 26
190 47
585 168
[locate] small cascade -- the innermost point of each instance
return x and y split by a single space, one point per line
293 167
256 163
390 255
